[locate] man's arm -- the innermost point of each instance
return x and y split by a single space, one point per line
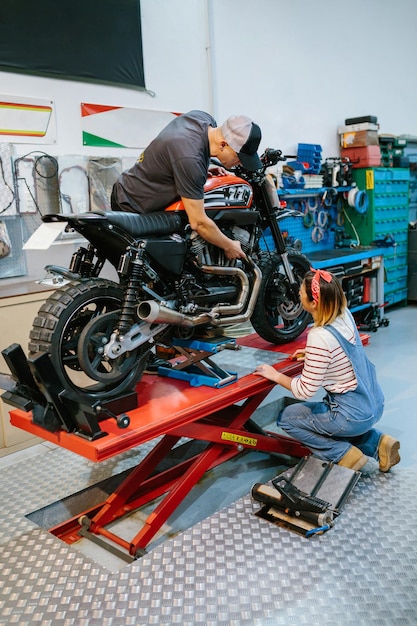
207 229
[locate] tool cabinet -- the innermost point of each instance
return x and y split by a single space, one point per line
386 223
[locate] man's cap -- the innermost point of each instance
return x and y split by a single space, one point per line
244 136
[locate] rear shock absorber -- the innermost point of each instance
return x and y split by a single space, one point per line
85 263
132 265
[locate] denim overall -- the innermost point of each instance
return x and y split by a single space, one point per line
330 427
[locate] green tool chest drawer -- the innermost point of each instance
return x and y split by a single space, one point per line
385 221
412 264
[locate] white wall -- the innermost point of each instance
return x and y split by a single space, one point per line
302 67
298 68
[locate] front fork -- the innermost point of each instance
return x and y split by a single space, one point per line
279 241
294 286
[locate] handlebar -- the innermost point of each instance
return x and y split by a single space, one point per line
272 157
268 158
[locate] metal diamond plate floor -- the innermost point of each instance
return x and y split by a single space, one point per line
232 568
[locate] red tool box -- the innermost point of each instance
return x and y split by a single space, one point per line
368 156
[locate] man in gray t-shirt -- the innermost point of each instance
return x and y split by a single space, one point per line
175 166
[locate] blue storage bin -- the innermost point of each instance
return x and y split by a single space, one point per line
290 182
303 166
311 153
395 296
397 273
310 146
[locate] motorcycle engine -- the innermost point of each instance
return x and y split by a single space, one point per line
244 237
208 254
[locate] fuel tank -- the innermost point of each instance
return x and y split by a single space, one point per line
223 191
227 191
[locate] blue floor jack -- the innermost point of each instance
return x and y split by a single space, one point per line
195 364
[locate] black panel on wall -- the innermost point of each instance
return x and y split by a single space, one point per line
89 40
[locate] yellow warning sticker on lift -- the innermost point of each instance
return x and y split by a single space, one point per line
369 179
246 441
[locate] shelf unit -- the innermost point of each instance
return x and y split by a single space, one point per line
410 152
385 222
412 264
360 269
361 273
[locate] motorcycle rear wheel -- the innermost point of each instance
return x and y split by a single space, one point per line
276 317
57 329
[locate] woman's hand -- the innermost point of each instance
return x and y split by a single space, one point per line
267 371
299 355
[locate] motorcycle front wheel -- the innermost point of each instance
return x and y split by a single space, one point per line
277 318
57 329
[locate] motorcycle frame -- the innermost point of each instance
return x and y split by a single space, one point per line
270 217
83 264
110 241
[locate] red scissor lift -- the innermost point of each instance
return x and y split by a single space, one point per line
170 410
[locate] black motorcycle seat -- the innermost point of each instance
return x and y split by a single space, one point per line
143 225
136 224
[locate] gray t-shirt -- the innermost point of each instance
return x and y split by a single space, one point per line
174 165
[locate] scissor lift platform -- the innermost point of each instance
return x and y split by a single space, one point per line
170 409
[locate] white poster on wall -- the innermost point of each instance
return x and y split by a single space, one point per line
27 120
121 127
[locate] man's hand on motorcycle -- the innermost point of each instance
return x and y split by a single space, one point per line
217 170
234 250
208 230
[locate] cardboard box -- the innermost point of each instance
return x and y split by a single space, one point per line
367 156
348 128
359 139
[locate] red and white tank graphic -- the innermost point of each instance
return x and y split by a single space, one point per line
223 191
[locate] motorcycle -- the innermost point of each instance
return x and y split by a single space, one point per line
171 284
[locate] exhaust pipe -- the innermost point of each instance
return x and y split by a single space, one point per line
223 315
151 312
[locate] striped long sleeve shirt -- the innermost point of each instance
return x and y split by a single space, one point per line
326 364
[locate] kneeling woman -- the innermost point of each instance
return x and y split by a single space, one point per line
341 427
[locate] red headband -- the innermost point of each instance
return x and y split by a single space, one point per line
315 282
